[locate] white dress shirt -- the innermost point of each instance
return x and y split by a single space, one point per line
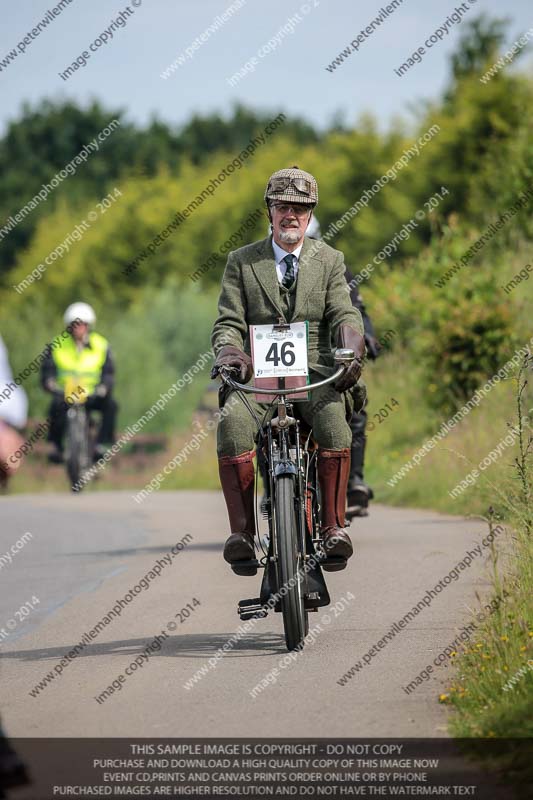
14 403
281 265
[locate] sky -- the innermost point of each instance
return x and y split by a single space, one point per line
287 44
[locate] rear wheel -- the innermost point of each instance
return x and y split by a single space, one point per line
290 572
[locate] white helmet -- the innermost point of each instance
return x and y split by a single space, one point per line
79 311
313 229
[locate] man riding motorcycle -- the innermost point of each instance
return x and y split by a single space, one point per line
287 276
82 360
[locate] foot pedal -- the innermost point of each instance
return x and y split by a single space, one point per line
245 567
251 609
358 498
333 564
356 511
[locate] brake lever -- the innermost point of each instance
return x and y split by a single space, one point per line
224 372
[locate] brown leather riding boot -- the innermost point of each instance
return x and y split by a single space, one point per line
333 473
237 480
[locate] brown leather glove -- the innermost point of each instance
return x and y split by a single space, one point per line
348 337
230 356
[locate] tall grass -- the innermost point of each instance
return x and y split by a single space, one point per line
492 693
394 440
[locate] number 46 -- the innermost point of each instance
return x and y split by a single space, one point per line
286 355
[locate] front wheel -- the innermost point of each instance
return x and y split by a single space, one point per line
77 452
290 574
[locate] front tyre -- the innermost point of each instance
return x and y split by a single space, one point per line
290 572
76 456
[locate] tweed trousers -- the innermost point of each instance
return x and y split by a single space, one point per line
327 412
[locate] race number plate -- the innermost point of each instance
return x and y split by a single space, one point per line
279 354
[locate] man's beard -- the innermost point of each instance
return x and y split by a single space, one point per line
289 235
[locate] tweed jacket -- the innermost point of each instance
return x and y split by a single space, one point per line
250 295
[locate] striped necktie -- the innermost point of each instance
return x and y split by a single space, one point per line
288 278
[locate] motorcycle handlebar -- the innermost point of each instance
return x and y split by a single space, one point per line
224 373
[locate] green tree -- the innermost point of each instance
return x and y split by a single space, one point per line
41 143
44 139
202 136
478 45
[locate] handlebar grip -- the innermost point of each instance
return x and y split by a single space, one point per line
223 368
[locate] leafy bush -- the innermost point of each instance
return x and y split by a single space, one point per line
465 348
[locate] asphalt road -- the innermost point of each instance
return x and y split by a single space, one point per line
88 552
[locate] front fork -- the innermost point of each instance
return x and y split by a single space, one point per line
314 588
286 458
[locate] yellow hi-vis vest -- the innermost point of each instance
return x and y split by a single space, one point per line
80 367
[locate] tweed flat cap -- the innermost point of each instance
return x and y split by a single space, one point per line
292 185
